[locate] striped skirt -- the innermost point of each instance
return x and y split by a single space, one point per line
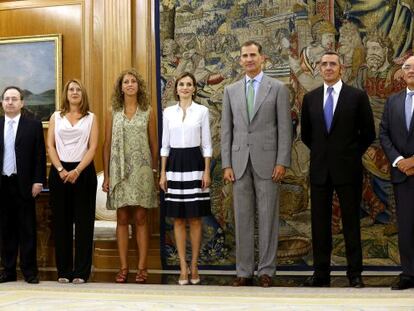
184 197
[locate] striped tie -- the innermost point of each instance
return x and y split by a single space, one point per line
9 158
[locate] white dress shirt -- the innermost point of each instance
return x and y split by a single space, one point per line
16 120
193 131
335 93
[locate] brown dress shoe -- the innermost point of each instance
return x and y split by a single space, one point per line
240 281
265 280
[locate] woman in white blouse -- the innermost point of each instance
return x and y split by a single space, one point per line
72 140
185 170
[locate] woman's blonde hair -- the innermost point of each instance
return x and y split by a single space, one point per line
117 99
64 103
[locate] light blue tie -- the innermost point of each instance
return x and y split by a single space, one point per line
408 109
9 158
250 98
328 109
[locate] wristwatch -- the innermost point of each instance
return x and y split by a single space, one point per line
59 169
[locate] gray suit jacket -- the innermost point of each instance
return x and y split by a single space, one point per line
395 139
267 139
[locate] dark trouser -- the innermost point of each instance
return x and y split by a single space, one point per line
404 197
18 229
321 209
73 204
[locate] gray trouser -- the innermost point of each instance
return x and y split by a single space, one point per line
252 192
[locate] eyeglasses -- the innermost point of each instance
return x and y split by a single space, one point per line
407 67
11 99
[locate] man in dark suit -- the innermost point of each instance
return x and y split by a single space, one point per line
337 127
23 164
397 140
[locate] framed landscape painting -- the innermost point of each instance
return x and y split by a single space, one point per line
34 64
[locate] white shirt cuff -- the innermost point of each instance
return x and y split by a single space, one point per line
394 164
165 152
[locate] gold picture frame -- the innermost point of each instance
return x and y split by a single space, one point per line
34 64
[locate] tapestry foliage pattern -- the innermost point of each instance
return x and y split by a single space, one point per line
373 38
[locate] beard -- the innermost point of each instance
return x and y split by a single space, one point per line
375 61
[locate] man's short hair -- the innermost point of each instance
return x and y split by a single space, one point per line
252 42
12 87
332 53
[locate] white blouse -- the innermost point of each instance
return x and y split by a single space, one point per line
72 142
193 131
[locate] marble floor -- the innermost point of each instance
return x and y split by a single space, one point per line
162 293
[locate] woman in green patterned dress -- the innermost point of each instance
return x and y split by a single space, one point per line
130 161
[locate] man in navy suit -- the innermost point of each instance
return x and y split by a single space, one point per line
397 140
23 165
337 127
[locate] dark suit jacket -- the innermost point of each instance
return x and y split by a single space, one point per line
337 153
30 154
395 139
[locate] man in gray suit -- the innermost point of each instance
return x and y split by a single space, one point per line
256 139
397 140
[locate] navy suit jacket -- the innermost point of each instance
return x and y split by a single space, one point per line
30 154
337 153
395 139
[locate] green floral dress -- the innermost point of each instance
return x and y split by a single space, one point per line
131 181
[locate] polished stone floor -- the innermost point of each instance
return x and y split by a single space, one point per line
225 278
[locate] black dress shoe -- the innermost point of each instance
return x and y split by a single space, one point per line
240 281
356 281
7 278
402 283
32 280
314 281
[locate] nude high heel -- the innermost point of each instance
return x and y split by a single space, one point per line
184 281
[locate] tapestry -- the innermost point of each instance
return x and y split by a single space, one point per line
373 37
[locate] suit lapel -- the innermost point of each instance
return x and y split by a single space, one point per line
319 107
242 99
400 106
339 104
262 92
1 137
20 130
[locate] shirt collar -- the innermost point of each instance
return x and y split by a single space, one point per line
336 87
408 90
16 118
257 78
178 108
